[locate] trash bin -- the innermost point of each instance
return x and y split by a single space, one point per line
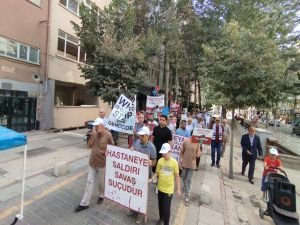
264 135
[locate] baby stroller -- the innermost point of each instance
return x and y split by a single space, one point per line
281 203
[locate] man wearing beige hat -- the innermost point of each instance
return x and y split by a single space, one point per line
147 147
98 142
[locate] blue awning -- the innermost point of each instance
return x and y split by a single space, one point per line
11 139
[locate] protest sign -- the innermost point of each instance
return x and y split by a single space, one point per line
175 108
122 117
126 178
202 136
155 104
176 147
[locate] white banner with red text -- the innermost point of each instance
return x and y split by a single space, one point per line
126 178
202 135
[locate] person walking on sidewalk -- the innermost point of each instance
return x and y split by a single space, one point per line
137 127
226 136
189 153
145 146
161 134
216 143
98 142
251 145
182 131
167 170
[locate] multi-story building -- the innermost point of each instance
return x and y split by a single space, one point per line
40 82
65 90
23 37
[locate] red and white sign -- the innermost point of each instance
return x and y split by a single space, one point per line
175 108
155 104
202 135
126 178
176 147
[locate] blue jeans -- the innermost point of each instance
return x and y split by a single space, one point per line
216 146
187 175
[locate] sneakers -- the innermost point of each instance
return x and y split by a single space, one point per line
186 201
80 208
139 219
212 164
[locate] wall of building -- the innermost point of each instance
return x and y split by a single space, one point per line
16 24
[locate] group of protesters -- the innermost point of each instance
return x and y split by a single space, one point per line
154 138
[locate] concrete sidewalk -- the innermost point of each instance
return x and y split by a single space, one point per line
215 200
233 201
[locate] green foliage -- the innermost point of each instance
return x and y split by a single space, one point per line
115 62
247 63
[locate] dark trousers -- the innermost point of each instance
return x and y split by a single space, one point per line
251 160
164 206
197 162
216 147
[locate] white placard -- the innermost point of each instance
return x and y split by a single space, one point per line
126 178
177 144
122 117
155 101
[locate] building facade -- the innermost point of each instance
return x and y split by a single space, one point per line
23 36
40 82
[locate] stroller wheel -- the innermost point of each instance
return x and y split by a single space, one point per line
261 213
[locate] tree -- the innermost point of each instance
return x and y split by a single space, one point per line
246 64
110 39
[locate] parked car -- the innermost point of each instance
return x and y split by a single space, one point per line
296 128
272 123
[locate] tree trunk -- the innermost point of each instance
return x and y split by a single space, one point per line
195 95
199 95
231 146
161 66
176 78
167 76
224 112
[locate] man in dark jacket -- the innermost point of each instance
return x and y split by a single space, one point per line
251 146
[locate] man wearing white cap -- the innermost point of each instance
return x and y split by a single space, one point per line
167 170
98 142
145 146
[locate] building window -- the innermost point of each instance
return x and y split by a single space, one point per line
71 5
68 46
20 51
36 2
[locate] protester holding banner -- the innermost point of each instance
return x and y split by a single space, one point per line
182 131
151 123
137 127
145 146
98 142
167 170
189 153
171 123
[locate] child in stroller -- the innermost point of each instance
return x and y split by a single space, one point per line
280 195
271 161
